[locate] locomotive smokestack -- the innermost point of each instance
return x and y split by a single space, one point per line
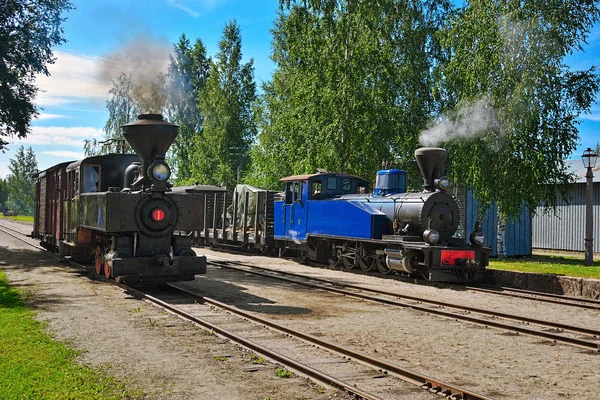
150 136
432 161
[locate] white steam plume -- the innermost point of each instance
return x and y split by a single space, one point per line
468 121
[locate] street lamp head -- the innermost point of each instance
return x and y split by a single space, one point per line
589 158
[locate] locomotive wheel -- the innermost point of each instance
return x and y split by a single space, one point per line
106 269
382 266
366 261
348 262
332 256
302 255
98 262
350 254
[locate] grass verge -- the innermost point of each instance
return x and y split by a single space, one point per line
22 218
33 366
550 264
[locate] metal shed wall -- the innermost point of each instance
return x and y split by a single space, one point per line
517 233
566 229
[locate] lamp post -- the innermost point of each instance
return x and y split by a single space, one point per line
589 158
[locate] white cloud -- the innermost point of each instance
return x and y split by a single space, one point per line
72 77
190 6
65 154
66 136
594 114
179 4
43 116
591 117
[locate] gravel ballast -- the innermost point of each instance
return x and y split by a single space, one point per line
171 359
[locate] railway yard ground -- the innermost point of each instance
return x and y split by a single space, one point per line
162 356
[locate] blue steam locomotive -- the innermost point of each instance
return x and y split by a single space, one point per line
331 217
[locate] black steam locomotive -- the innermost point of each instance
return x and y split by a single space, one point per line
119 211
330 217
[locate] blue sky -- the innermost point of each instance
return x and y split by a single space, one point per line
74 97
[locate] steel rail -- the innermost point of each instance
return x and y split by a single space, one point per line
304 369
538 296
300 367
569 301
6 229
428 383
548 335
424 381
518 318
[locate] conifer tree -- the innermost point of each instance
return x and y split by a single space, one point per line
226 106
188 72
21 183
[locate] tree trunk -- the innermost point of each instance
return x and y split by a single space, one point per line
500 240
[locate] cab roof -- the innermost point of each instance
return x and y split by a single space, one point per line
76 164
318 174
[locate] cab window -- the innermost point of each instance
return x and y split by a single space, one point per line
91 178
332 183
346 184
288 193
297 191
315 190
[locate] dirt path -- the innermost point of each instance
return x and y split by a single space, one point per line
158 353
170 359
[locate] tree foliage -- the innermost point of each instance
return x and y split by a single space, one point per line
188 72
352 88
122 109
512 55
226 106
3 193
28 31
21 183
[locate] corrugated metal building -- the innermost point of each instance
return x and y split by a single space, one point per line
517 233
566 229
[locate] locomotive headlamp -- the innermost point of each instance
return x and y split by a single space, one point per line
477 238
160 171
431 236
158 215
442 183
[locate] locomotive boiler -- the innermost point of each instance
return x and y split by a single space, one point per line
119 210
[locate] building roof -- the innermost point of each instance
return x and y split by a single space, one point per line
576 167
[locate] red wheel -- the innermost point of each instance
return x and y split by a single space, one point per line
98 260
106 270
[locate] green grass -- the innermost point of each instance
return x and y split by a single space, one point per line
284 373
568 265
33 366
22 218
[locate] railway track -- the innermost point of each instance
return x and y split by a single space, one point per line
578 302
417 303
377 368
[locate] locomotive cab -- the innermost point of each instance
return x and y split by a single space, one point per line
311 208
